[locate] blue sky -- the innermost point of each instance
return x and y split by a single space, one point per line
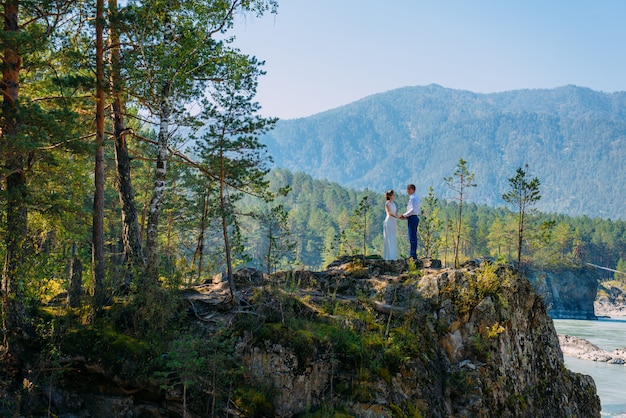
321 54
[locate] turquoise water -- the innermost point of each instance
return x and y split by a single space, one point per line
610 379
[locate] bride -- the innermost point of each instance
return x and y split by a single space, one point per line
389 227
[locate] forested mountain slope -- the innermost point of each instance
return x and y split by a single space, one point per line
572 138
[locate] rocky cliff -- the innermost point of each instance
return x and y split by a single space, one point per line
611 299
373 340
569 293
472 342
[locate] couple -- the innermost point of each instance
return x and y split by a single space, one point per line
389 227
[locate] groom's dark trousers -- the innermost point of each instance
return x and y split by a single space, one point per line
413 222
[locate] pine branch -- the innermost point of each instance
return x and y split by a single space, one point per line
189 162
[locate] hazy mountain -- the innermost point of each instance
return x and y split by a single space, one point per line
572 138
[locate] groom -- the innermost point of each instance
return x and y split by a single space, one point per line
412 210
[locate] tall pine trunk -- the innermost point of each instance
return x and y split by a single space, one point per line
268 255
227 249
223 206
520 236
131 236
97 253
457 241
13 314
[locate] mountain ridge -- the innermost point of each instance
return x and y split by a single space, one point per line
572 138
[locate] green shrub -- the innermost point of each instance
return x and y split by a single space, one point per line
252 402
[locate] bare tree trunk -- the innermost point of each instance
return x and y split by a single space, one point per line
520 238
199 253
144 213
269 246
229 261
458 230
131 236
156 203
75 288
364 236
98 271
168 242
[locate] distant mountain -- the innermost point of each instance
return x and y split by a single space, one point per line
572 138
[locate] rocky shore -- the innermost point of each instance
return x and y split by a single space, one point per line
585 350
604 308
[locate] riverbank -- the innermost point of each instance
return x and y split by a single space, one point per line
607 335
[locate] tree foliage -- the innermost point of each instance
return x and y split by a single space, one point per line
58 57
279 240
459 182
360 223
431 226
320 210
523 194
229 150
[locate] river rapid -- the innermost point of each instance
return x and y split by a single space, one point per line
610 379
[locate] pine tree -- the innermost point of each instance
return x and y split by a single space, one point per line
359 224
430 225
177 50
131 236
97 240
36 118
230 151
280 243
459 182
523 194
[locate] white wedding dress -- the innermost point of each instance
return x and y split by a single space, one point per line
389 232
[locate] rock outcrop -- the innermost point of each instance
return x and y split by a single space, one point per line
484 346
585 350
569 293
611 301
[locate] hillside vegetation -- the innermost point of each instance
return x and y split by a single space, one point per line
319 215
572 138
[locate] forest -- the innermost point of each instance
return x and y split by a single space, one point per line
132 168
107 110
319 226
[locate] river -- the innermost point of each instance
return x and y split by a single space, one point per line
610 379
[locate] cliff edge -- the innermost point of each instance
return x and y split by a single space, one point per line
437 343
